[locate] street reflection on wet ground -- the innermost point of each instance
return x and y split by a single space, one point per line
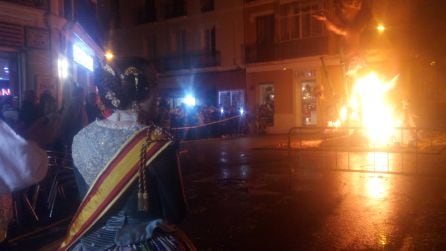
243 197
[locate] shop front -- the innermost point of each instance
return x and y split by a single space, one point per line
76 65
9 86
292 93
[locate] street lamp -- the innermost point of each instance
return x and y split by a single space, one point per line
109 55
380 28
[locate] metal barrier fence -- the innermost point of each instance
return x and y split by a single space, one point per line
346 148
234 125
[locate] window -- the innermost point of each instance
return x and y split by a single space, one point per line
8 74
178 42
174 8
207 5
266 106
296 21
267 94
149 11
85 15
265 29
209 40
68 9
234 98
309 103
151 47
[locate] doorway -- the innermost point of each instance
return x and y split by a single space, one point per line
309 103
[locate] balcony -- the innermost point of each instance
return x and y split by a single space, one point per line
175 8
286 50
40 4
189 61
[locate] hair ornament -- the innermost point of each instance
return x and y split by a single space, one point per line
113 99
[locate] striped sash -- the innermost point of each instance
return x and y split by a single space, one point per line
114 180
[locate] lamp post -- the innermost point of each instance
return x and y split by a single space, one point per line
380 28
109 56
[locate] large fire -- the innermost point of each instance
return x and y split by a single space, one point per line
370 108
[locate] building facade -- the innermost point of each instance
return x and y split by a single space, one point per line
196 46
264 53
44 45
290 59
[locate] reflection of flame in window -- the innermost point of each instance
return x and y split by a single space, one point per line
377 187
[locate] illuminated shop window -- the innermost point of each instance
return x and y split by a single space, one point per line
234 98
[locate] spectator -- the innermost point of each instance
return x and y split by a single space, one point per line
47 104
52 118
74 116
23 163
29 112
162 114
92 108
9 111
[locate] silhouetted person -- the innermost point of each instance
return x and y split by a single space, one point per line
74 116
29 112
92 109
52 117
9 111
23 163
47 104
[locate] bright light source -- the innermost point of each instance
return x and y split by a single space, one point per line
242 111
369 106
222 110
81 57
5 92
62 67
380 28
189 100
109 55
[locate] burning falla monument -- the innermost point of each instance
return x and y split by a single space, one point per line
348 20
365 102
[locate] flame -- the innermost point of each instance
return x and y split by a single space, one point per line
369 108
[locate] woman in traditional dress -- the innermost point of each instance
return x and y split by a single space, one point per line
128 175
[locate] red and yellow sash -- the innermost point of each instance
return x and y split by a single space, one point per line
114 180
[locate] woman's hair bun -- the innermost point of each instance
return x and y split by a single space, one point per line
121 90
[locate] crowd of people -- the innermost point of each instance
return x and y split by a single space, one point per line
203 121
185 122
65 122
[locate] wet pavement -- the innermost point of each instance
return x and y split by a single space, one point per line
245 195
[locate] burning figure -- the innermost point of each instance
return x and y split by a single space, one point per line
349 20
367 103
